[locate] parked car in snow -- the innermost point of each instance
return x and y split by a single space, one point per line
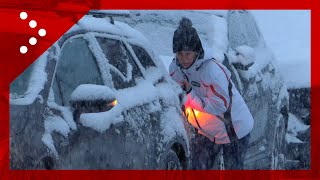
264 91
97 99
235 40
298 136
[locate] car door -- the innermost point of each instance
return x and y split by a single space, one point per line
263 89
242 31
82 146
168 123
128 81
28 94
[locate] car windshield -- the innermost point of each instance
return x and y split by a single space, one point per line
242 29
19 86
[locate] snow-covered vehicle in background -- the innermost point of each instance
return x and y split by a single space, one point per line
263 88
97 99
235 40
298 136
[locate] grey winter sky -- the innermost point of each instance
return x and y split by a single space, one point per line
288 34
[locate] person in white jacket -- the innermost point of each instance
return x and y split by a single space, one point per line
219 111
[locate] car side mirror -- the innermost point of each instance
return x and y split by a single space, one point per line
91 98
244 58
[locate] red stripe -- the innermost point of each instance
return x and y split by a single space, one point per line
218 95
222 70
204 84
173 73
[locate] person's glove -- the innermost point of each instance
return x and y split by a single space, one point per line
186 86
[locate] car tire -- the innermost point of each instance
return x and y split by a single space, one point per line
170 161
279 145
45 163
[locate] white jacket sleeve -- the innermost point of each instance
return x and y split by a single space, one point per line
214 77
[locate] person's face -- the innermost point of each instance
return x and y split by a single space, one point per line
186 58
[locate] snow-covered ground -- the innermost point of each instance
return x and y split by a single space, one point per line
294 127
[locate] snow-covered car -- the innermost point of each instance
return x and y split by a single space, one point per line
233 38
97 99
263 88
298 133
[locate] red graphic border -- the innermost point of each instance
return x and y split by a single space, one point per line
56 23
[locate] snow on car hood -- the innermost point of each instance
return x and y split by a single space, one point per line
127 99
171 121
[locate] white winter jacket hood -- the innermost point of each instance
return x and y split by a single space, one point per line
209 98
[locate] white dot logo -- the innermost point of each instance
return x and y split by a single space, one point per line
23 49
33 24
33 41
42 32
23 15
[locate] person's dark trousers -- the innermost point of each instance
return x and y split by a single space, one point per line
203 152
234 153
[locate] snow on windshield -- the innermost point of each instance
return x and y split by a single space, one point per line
103 25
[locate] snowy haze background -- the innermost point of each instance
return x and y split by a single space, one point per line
287 33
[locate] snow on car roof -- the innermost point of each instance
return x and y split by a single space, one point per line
90 23
132 36
111 12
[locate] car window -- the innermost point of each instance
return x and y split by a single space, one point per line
19 86
57 92
143 56
242 29
120 58
77 65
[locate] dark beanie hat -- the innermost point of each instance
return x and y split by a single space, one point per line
186 38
